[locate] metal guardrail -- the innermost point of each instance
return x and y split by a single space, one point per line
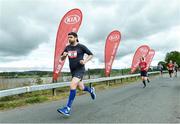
27 89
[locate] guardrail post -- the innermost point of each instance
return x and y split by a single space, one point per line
122 72
115 81
54 90
108 81
89 77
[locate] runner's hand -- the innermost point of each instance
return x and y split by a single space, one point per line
146 69
65 54
82 62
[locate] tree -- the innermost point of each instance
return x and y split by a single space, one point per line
174 56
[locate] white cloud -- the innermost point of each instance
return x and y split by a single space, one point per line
28 29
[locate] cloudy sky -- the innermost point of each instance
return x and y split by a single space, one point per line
28 30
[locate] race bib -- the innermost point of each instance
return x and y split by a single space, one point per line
72 54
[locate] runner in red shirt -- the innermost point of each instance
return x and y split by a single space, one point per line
170 68
143 69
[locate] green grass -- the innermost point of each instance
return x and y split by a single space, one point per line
37 99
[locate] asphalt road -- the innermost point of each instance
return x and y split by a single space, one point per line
159 102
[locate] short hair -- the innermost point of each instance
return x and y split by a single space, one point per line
73 33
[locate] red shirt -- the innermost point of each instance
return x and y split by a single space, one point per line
170 66
143 66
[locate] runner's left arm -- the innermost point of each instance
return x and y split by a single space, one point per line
88 52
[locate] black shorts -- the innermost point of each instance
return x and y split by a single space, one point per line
78 73
144 73
170 71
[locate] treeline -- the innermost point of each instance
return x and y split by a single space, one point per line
174 56
100 72
49 73
26 74
114 72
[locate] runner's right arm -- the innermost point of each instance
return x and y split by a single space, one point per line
64 54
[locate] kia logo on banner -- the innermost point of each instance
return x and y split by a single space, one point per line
142 51
112 43
71 21
150 57
114 37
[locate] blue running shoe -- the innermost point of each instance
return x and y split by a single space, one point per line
93 94
65 111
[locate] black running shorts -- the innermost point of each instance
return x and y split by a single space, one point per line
170 71
144 73
78 73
